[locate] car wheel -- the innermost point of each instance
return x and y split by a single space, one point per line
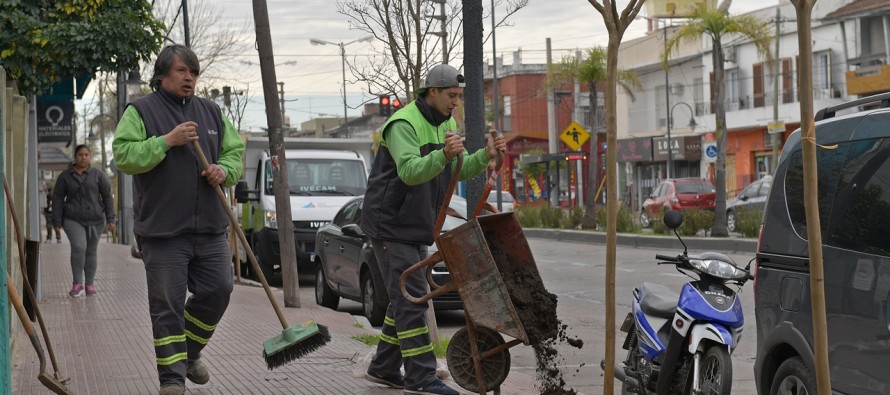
793 378
644 219
373 303
324 295
730 221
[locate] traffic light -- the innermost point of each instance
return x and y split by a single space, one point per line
396 104
385 106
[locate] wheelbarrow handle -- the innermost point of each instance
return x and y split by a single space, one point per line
492 182
431 260
455 176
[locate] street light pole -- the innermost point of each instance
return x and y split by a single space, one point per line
692 124
667 104
343 69
342 45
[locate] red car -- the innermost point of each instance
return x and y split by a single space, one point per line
678 194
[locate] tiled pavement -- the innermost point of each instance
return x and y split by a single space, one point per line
103 343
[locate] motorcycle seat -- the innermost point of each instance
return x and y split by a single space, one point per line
658 300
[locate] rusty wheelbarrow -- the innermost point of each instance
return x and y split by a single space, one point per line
485 257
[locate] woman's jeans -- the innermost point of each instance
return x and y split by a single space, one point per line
84 242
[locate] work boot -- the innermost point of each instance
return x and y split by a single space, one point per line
396 381
197 372
435 388
172 389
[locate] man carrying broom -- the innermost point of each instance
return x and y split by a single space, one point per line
179 223
406 187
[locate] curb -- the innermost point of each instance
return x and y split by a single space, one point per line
719 244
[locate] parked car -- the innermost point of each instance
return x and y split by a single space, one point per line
751 199
853 162
677 194
345 265
506 200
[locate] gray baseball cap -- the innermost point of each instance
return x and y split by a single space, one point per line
441 76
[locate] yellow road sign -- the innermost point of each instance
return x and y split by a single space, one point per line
574 136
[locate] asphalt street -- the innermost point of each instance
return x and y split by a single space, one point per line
575 273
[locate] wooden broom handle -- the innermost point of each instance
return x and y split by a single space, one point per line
237 227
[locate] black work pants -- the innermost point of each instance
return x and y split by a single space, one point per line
201 265
405 336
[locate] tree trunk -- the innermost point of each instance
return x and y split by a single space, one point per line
589 219
611 96
719 228
811 196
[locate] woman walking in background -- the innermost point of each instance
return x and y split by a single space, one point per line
83 205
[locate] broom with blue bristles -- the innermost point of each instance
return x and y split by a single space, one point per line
294 341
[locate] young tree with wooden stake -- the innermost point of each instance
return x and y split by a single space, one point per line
804 9
616 25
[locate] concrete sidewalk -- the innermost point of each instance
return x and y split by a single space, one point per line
103 343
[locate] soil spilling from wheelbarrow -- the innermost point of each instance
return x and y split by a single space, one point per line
536 308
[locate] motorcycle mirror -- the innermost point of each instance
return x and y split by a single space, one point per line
673 219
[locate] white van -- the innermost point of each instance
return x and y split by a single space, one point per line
320 182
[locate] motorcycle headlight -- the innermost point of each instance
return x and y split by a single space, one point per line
270 220
718 268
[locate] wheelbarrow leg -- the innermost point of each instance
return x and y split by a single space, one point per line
477 360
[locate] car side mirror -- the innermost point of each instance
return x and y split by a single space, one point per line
352 230
242 194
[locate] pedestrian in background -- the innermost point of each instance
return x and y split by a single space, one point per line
406 188
179 223
83 205
48 217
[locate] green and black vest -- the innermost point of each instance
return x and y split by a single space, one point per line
393 210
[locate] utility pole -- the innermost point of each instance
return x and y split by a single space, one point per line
289 275
185 23
495 110
281 93
775 138
667 109
443 32
552 146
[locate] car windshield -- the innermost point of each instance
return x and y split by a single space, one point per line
319 176
506 197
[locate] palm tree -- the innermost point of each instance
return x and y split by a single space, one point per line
716 24
591 72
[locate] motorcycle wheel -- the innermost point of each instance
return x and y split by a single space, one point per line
715 375
633 357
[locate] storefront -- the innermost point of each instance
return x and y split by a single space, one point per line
645 164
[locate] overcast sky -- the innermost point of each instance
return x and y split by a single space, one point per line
313 84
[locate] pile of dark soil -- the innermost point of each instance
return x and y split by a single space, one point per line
536 308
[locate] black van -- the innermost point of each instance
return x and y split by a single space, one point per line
853 155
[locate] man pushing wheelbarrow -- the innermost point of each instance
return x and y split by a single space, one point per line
407 185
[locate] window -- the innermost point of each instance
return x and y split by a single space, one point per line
344 217
732 90
861 214
822 75
787 82
759 94
831 163
660 107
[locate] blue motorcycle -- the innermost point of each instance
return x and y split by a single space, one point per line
681 343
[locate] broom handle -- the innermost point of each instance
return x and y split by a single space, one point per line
20 241
250 256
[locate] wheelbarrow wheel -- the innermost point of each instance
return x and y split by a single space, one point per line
460 359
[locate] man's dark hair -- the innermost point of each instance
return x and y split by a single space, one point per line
165 60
